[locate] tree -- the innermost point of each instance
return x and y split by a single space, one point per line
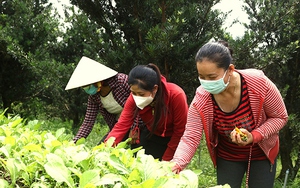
29 35
167 33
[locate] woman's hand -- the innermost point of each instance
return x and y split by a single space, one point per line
176 169
241 137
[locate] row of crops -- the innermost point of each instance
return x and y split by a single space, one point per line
33 158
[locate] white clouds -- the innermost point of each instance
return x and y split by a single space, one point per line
58 4
236 30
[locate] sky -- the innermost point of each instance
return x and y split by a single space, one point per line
236 30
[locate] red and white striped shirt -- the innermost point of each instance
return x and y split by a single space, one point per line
268 109
224 123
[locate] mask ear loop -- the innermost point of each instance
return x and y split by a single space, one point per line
224 77
228 80
225 74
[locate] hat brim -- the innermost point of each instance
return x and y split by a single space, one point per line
88 72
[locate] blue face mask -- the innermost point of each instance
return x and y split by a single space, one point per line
214 86
91 89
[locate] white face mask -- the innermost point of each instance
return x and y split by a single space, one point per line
142 102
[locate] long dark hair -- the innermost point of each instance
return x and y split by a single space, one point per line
217 52
146 77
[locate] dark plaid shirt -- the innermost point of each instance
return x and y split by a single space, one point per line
120 90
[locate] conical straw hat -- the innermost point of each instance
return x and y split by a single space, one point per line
87 72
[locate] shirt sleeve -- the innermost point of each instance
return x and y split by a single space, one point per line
89 120
190 139
275 111
125 121
179 109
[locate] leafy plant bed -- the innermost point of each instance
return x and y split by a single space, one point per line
33 158
30 158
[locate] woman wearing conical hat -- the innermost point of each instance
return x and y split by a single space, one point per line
108 91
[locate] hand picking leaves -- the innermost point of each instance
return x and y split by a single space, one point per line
242 135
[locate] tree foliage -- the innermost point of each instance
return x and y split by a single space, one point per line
167 33
29 74
120 35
